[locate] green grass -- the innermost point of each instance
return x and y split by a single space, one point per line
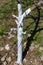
2 30
38 53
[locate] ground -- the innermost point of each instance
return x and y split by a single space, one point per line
32 41
8 55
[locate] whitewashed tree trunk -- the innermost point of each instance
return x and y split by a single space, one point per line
19 22
20 34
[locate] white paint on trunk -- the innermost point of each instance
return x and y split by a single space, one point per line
26 12
19 9
19 44
20 31
20 34
19 22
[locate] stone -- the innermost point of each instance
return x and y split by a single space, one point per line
36 62
36 46
12 54
10 36
27 52
4 63
32 47
7 47
4 36
29 35
2 59
1 48
8 59
25 43
41 58
41 48
25 60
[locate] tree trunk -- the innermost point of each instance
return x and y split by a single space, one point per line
19 22
19 34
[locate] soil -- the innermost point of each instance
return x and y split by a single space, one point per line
30 58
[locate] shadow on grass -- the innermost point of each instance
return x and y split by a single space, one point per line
29 39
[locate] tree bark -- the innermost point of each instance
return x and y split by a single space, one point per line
19 22
19 34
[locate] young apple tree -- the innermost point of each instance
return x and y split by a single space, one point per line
19 22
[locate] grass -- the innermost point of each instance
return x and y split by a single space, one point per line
38 53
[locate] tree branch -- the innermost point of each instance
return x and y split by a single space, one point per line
35 6
26 12
19 1
16 22
15 16
31 8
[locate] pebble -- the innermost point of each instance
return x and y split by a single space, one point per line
7 47
36 46
1 48
27 52
4 36
12 54
25 43
41 58
36 62
8 59
2 59
32 47
4 63
31 60
29 35
41 48
11 36
25 60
